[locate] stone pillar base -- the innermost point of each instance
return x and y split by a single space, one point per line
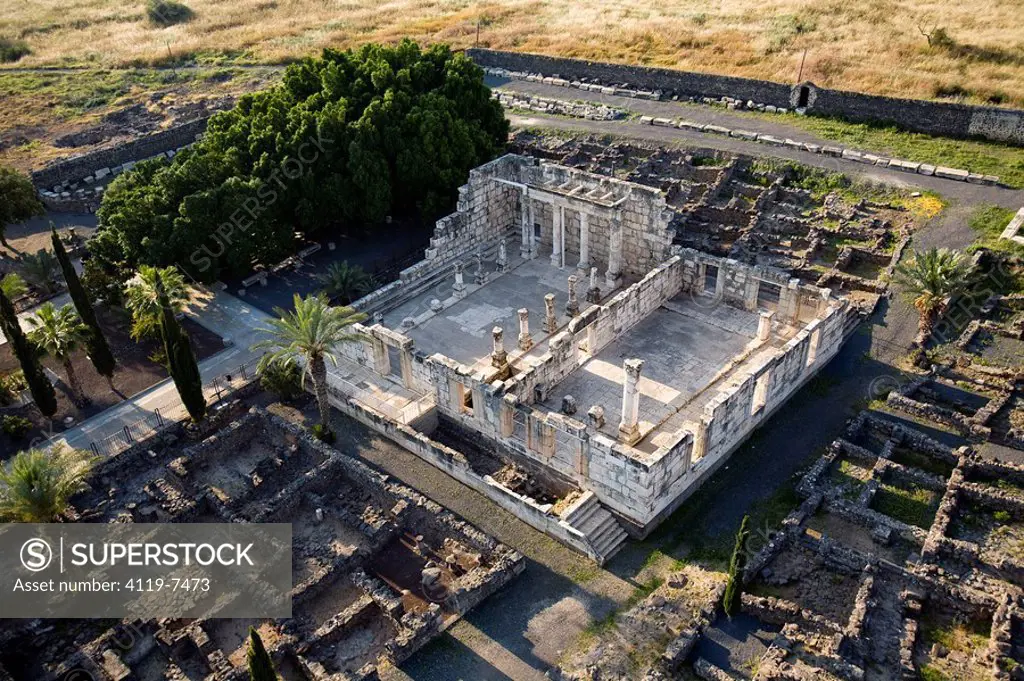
594 295
459 292
525 342
629 436
612 280
499 359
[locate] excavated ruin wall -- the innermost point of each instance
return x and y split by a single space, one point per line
934 118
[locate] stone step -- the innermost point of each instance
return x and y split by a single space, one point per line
603 532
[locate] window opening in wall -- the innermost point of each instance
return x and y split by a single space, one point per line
768 295
804 98
536 230
711 279
467 401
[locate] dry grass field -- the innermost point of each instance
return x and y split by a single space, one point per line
867 45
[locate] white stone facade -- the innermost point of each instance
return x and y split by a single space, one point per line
706 363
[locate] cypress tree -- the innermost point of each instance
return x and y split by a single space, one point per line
38 384
261 668
99 351
734 587
181 361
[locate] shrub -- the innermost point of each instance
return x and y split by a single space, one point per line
323 433
35 485
1001 516
13 50
11 385
16 426
284 379
167 12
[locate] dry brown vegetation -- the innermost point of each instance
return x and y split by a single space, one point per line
868 45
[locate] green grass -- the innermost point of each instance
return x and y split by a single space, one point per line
988 223
911 504
930 673
987 158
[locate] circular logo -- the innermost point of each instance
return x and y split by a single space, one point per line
881 386
36 555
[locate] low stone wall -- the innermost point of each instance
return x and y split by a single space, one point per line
78 167
455 464
934 118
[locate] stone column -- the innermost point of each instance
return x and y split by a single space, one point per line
629 429
764 325
825 297
405 359
507 415
613 276
499 357
502 262
700 440
381 360
594 291
459 289
584 264
550 321
525 340
525 225
557 230
531 238
572 306
481 274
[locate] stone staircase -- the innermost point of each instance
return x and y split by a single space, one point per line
602 531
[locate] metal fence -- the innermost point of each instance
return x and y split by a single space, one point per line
221 387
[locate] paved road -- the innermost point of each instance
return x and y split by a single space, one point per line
225 315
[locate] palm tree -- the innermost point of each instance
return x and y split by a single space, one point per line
310 334
60 333
345 282
142 300
931 277
35 485
13 286
40 269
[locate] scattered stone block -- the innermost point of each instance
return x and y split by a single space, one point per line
926 169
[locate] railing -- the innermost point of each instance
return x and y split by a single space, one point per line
221 387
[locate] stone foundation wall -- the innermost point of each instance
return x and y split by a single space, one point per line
934 118
640 489
78 167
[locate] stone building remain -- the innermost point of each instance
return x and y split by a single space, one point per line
554 328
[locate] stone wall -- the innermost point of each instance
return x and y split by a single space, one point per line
641 489
683 83
935 118
78 167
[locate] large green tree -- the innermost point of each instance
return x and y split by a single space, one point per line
261 667
734 587
18 200
59 332
39 384
311 334
181 360
142 299
35 485
96 343
930 278
346 138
